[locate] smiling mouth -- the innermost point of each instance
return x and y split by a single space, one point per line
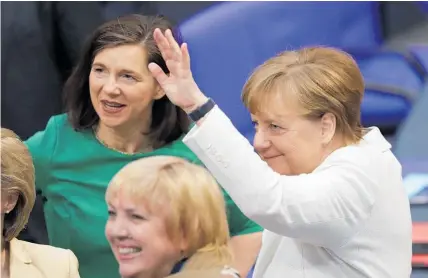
127 253
111 106
112 103
128 250
271 157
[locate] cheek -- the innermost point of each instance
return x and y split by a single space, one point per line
286 144
156 237
94 89
108 230
94 83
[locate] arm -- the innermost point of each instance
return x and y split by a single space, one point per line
245 250
323 208
74 265
41 146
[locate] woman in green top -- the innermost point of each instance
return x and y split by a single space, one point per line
117 113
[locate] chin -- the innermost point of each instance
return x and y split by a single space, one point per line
111 122
282 170
126 271
279 165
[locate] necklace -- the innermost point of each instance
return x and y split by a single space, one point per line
148 148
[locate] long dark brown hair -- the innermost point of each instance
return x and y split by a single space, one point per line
169 122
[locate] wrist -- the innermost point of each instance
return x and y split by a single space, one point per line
196 104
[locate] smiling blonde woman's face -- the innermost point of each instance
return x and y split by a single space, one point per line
138 238
158 209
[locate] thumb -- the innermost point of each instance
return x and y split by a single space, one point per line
158 73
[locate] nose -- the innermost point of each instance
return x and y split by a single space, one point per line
110 86
261 141
116 229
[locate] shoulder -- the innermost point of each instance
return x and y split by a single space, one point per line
42 257
46 251
179 149
57 121
216 272
54 126
372 153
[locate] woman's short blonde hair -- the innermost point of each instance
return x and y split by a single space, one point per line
324 80
188 195
17 175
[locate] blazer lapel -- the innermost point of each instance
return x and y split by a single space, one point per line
21 264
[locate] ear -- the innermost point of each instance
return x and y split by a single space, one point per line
159 93
328 128
184 247
9 201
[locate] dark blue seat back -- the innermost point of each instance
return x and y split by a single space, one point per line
228 40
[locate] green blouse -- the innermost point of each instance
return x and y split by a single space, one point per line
73 170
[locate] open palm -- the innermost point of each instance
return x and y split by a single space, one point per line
179 85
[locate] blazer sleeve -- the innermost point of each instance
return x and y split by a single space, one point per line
324 208
74 265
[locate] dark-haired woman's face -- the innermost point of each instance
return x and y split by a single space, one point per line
121 87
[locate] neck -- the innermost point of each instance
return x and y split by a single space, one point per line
127 140
336 143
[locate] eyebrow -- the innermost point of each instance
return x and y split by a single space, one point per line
121 70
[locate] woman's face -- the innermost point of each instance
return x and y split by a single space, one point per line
139 239
121 87
290 143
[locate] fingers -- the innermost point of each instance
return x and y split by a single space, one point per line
177 58
162 44
173 44
186 56
158 73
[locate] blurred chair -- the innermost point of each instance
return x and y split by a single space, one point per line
420 53
228 40
412 137
423 5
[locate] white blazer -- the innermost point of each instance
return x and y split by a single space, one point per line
349 218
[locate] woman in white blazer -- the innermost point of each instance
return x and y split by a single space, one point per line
328 192
20 259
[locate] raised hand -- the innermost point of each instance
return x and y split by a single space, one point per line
179 85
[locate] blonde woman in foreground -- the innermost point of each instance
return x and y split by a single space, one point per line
164 211
20 259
